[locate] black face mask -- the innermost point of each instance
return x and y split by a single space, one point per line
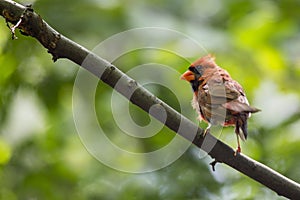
197 73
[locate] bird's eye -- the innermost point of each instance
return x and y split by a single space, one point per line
196 70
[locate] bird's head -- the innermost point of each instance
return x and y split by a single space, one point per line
198 69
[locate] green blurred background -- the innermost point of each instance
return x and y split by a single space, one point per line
41 155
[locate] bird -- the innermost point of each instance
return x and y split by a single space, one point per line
217 98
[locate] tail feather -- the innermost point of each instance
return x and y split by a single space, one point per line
241 126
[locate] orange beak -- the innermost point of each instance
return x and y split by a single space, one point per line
188 76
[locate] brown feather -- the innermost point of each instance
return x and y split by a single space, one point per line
218 99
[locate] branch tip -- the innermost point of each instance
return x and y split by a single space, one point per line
213 164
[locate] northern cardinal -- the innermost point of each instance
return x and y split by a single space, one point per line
218 99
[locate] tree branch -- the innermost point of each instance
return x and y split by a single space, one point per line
31 24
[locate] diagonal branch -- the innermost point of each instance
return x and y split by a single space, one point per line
59 46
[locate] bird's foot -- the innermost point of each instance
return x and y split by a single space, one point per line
238 150
206 131
239 145
203 134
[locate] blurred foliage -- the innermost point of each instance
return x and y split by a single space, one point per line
41 155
